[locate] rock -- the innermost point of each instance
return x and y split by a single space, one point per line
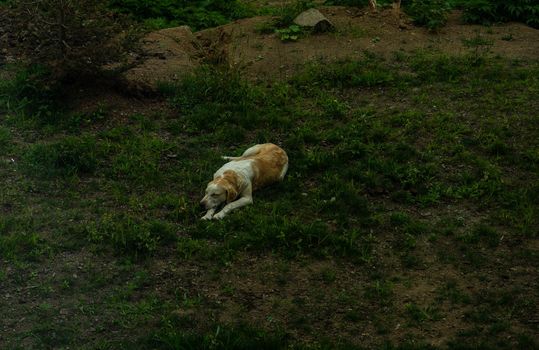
314 19
167 55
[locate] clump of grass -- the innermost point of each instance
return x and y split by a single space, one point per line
220 337
5 138
130 235
214 97
346 74
418 314
135 158
380 291
31 93
189 248
67 157
482 233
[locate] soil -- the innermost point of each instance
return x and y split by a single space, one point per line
265 57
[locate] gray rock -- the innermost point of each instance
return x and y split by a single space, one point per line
314 19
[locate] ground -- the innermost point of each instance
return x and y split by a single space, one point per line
408 218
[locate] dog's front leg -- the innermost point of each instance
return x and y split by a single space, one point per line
243 201
209 214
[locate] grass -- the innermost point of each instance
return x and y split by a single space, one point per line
409 174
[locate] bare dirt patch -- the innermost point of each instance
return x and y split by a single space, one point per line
266 57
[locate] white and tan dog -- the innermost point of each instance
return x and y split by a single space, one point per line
235 181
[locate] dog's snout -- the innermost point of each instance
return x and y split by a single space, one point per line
202 204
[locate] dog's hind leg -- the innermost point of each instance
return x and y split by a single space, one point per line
251 151
283 172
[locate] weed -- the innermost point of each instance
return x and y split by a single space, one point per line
328 275
418 314
399 219
450 291
380 291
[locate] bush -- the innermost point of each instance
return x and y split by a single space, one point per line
429 13
196 14
493 11
73 39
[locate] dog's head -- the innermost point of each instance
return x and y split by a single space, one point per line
222 190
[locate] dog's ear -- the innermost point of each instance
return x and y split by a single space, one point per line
231 194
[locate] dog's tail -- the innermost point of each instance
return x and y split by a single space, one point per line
230 158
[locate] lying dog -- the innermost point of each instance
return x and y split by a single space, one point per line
235 181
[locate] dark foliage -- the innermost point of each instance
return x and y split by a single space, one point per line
494 11
196 14
72 39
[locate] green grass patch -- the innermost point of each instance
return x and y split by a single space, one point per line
398 167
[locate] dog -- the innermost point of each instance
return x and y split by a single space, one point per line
233 184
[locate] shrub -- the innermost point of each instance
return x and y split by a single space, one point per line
196 14
429 13
493 11
72 39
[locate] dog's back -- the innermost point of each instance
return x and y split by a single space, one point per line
269 163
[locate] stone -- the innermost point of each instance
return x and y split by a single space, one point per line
314 19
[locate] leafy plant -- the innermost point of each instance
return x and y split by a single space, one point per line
292 33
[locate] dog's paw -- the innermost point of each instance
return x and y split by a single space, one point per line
206 217
219 215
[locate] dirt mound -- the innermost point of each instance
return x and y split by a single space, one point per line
171 52
167 55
